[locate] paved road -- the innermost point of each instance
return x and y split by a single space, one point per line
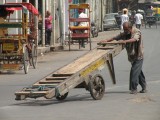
117 103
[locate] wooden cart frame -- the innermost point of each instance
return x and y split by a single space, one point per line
89 72
18 50
78 37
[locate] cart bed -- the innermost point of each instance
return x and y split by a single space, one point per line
71 75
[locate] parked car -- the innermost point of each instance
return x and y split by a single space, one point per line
109 21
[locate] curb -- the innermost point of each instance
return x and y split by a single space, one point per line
43 50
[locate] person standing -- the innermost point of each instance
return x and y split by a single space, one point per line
131 37
82 15
138 19
48 27
149 11
124 18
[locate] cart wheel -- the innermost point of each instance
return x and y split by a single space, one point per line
34 56
62 97
25 59
97 87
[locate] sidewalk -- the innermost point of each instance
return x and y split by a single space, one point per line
43 50
102 36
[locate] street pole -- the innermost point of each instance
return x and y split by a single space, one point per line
53 24
101 15
43 22
36 19
64 24
60 19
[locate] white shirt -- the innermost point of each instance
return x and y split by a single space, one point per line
83 15
138 18
124 18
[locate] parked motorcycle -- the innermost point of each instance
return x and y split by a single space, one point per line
94 30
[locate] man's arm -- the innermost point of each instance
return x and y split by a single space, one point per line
109 40
127 41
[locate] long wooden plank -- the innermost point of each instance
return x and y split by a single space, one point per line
50 82
83 61
61 75
38 84
56 78
27 92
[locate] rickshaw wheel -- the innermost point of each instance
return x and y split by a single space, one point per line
34 56
62 97
25 59
97 87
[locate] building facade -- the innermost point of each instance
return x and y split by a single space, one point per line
59 11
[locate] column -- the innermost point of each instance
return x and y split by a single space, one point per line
64 22
36 24
43 22
53 22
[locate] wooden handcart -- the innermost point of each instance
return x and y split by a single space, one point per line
89 72
18 47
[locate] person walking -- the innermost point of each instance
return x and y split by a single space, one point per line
138 20
48 27
124 18
131 37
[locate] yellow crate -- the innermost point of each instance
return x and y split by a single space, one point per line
8 46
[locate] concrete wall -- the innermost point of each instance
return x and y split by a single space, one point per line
2 1
60 8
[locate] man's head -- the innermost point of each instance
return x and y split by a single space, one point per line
48 13
124 12
127 27
80 10
138 11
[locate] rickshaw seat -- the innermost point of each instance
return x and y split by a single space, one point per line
79 19
79 36
79 28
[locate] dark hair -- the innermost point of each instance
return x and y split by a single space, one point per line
125 12
48 12
130 25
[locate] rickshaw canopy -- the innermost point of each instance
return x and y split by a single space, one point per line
19 6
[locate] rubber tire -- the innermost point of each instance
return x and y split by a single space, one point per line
62 97
25 59
97 87
34 56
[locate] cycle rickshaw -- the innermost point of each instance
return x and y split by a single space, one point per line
79 36
18 43
150 21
